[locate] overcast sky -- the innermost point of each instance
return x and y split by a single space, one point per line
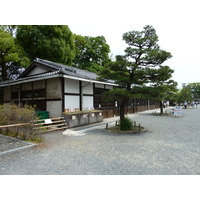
176 23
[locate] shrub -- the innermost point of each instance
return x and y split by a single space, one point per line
126 124
13 114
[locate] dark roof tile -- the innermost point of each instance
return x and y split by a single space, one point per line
71 71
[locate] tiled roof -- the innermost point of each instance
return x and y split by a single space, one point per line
71 71
7 82
56 69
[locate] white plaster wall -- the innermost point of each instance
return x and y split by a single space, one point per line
54 108
88 102
87 88
37 70
71 86
72 101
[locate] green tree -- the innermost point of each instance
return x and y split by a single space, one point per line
11 56
186 94
195 90
91 52
161 86
132 70
49 42
9 28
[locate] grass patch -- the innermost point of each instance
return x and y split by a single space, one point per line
36 140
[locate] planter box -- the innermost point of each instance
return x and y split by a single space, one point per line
80 119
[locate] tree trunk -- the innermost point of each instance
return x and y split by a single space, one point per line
122 108
161 107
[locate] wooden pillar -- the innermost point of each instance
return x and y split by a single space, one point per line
81 95
63 94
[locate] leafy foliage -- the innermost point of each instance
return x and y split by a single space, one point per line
162 87
91 52
140 65
126 124
9 29
11 56
189 93
53 43
195 90
13 114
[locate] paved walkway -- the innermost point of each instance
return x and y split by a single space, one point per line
170 146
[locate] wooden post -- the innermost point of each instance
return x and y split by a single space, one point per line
81 95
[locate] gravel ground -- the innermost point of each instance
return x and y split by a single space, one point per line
9 144
170 146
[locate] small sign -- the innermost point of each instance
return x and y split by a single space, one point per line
48 121
178 111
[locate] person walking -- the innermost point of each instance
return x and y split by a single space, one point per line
185 104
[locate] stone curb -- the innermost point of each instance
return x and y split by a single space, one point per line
18 149
29 145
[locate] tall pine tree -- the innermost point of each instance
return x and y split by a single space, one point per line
134 69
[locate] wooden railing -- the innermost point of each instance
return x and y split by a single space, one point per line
52 124
44 125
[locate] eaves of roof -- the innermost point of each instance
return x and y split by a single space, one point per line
68 70
58 70
58 73
31 78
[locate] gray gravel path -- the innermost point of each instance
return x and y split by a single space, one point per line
9 144
170 146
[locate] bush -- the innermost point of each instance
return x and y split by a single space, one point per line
13 114
126 124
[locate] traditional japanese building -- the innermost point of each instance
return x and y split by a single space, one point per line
59 88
